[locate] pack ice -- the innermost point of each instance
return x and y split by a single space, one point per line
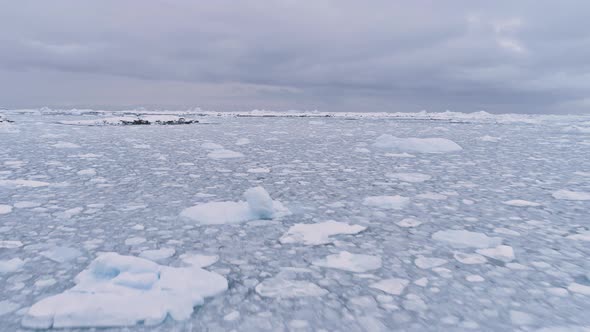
117 290
258 205
418 145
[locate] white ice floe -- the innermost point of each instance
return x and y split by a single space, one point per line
158 254
10 244
211 146
118 290
394 286
133 241
466 239
409 222
258 205
5 209
242 141
88 172
470 259
429 262
432 196
419 145
26 205
259 170
409 177
521 203
11 265
61 254
224 154
488 138
396 202
502 253
65 145
283 288
350 262
319 233
571 195
23 183
583 236
198 260
574 287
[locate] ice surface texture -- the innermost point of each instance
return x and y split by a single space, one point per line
117 290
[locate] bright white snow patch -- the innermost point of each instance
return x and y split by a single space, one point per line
258 205
409 177
579 288
571 195
387 202
4 209
394 286
466 239
419 145
118 290
319 233
521 203
350 262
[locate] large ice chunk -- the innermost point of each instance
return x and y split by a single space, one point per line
319 233
466 239
350 262
419 145
118 290
258 205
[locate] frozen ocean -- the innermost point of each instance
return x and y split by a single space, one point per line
262 221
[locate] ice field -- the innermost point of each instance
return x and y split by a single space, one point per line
264 221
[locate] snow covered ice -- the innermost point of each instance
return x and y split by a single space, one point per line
355 222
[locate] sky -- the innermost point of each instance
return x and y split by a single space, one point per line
393 56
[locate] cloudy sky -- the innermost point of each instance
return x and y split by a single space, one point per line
499 56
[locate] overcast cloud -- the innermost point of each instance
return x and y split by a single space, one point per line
499 56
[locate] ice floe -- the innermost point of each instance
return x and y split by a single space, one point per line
283 287
429 262
416 145
11 265
502 253
396 202
571 195
347 261
5 209
409 177
22 183
394 286
258 205
117 290
521 203
466 239
158 254
318 233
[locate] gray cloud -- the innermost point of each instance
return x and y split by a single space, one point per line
530 57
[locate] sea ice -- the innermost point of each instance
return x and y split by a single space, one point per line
117 290
258 205
394 286
387 202
5 209
350 262
502 253
224 154
409 177
466 239
318 233
571 195
11 265
419 145
521 203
